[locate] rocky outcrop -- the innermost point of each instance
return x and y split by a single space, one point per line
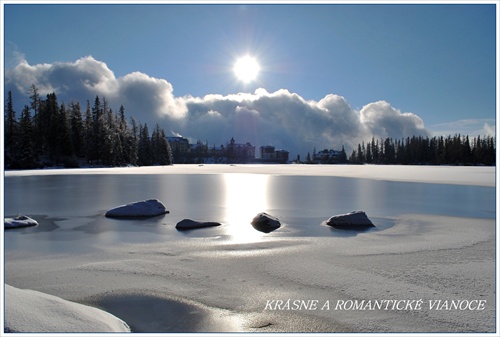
187 224
265 223
357 220
139 209
19 221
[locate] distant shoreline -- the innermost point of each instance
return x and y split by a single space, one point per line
476 175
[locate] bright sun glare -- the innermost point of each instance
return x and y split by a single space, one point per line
246 68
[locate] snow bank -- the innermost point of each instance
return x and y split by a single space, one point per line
33 311
145 208
460 175
19 221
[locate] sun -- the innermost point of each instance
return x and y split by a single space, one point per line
246 68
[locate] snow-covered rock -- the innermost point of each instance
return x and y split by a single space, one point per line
353 220
34 311
145 208
192 224
19 221
265 223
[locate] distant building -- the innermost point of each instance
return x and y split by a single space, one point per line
178 144
282 156
329 157
232 152
240 152
268 153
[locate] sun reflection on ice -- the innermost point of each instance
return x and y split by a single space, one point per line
246 196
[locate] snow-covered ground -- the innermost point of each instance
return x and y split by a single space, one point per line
464 175
33 311
426 273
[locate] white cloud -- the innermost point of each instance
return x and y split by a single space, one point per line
282 118
471 127
85 78
383 120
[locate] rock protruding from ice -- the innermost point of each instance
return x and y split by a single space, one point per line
145 208
187 224
33 311
354 220
19 221
265 223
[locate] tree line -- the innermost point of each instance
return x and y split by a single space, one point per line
418 150
51 134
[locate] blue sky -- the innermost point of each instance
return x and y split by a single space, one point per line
437 62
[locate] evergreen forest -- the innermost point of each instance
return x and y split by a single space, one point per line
418 150
49 133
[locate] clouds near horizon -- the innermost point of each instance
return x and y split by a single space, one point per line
281 118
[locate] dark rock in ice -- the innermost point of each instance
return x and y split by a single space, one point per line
265 223
145 208
19 221
193 224
356 220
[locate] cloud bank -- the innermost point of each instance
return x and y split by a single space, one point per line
471 127
282 118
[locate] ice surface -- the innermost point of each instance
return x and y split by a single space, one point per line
421 256
463 175
145 208
19 221
33 311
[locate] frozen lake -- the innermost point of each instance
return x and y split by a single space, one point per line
432 241
72 206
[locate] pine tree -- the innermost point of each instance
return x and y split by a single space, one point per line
10 130
155 144
27 158
50 128
123 135
132 143
162 154
35 104
368 156
64 132
375 152
343 156
353 159
97 139
466 151
360 158
77 129
88 141
145 156
108 133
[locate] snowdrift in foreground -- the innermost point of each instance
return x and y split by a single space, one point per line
33 311
145 208
19 221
